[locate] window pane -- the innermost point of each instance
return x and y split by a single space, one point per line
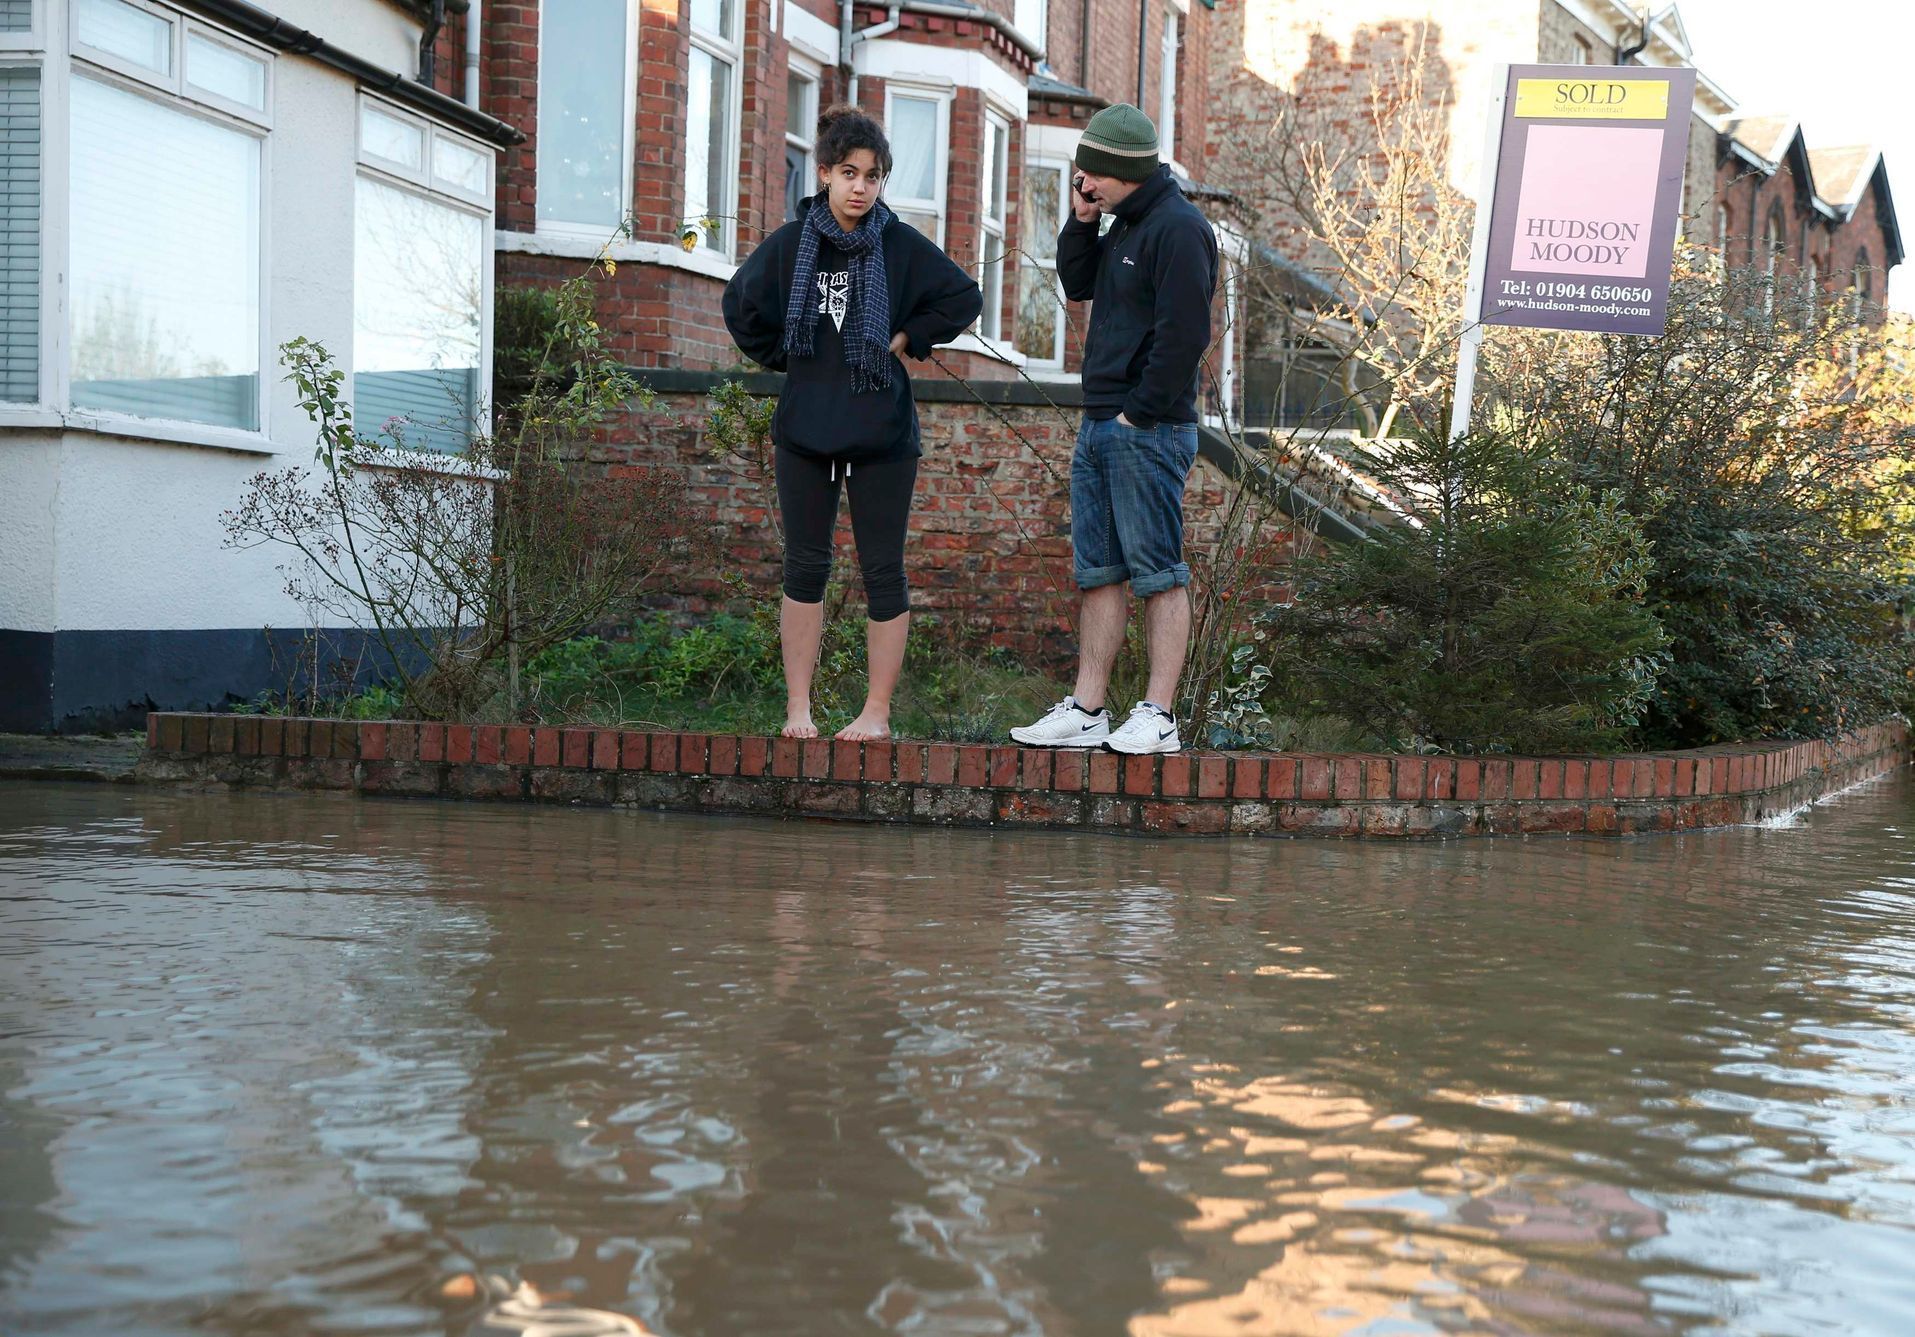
16 15
799 120
418 296
165 262
131 34
713 16
914 147
997 179
582 131
708 144
458 165
389 137
990 321
798 179
20 234
224 72
1039 317
926 223
1043 191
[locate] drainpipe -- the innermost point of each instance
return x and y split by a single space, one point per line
850 39
1143 35
473 20
1083 45
428 58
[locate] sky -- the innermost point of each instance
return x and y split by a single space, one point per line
1840 67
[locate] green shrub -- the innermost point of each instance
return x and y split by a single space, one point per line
1510 617
1761 449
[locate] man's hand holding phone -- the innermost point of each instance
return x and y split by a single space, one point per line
1087 208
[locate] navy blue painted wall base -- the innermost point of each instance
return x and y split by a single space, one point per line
87 681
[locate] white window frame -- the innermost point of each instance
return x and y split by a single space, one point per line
549 225
1167 87
56 374
804 136
49 336
175 83
940 167
477 203
35 36
1032 18
992 230
727 49
1060 340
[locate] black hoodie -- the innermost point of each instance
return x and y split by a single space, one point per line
1150 279
932 302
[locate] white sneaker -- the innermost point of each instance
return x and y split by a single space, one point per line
1149 729
1066 724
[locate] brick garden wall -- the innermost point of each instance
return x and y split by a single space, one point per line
989 544
1192 793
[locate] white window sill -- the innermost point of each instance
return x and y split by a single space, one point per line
433 462
972 342
127 427
580 246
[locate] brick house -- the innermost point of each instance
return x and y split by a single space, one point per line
189 184
1829 214
694 120
710 107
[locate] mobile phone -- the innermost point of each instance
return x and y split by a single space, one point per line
1077 184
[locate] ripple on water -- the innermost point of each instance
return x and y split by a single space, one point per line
282 1065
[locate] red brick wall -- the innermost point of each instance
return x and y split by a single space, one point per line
990 531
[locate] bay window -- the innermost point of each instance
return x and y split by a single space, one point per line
1039 333
19 232
995 194
164 236
587 87
421 282
919 126
711 124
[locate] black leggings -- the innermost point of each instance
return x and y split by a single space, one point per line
880 511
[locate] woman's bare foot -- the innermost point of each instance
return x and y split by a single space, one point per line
869 727
798 724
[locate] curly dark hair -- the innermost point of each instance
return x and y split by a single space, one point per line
843 130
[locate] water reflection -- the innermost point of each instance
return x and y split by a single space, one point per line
284 1064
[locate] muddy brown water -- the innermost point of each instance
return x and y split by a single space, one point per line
282 1065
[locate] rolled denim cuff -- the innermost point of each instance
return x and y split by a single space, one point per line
1095 577
1156 582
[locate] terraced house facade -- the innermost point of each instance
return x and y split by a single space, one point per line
187 186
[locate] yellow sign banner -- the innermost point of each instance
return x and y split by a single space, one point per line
1593 99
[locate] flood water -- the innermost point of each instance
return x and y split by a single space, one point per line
283 1065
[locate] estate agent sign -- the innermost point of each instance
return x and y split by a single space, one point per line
1588 194
1582 194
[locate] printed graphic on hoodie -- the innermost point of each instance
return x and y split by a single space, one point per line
834 296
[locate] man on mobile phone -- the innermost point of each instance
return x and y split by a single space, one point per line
1150 278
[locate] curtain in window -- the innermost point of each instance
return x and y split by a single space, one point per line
418 302
165 238
20 233
708 144
914 148
582 139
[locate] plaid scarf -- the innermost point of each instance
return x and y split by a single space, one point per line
869 350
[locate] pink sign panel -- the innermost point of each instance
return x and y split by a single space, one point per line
1588 198
1588 201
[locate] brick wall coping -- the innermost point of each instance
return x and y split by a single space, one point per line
1209 793
927 387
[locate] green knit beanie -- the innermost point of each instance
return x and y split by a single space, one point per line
1120 141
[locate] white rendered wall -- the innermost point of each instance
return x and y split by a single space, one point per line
109 532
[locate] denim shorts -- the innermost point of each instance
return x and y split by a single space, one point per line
1127 504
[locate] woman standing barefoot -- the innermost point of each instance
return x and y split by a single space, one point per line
832 299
